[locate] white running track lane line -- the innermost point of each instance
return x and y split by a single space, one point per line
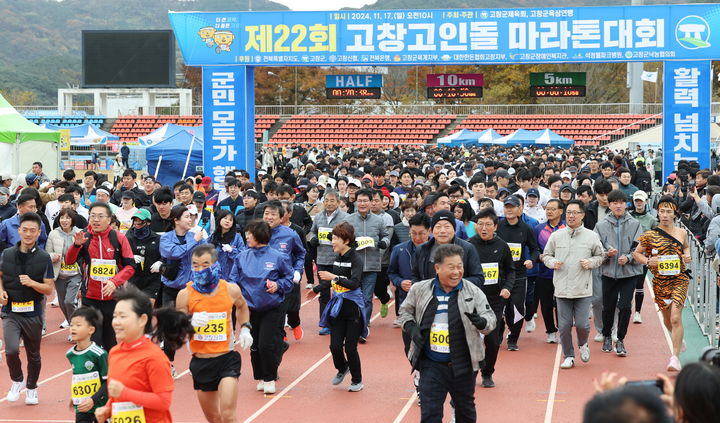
659 315
553 386
405 409
299 379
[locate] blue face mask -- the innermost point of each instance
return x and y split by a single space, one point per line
205 281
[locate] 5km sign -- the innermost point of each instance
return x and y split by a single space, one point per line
557 78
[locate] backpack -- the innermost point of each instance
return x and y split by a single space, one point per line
84 256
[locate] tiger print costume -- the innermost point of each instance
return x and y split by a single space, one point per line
668 289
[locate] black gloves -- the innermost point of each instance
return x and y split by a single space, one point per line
412 329
478 321
382 245
314 242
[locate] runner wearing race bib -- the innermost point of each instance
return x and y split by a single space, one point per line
89 365
497 263
666 252
140 384
215 365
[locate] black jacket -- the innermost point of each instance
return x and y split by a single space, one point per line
424 268
520 233
149 248
495 251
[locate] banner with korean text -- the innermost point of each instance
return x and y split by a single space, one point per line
228 121
452 36
686 114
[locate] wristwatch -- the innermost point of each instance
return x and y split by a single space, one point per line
246 325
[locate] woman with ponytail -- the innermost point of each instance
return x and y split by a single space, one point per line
140 384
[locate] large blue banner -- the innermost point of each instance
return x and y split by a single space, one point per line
404 37
686 114
228 121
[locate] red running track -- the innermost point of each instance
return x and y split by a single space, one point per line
529 385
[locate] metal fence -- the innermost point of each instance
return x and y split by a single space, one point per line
703 290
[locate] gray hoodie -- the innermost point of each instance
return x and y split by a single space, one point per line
622 234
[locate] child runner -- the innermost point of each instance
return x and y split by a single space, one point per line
215 365
89 364
140 384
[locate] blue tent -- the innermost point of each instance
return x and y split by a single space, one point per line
488 136
464 136
86 134
521 136
548 137
174 152
167 131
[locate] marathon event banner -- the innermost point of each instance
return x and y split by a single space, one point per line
409 37
686 114
228 120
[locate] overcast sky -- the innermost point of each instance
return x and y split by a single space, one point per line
323 4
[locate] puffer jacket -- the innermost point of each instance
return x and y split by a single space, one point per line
622 234
470 298
569 246
59 242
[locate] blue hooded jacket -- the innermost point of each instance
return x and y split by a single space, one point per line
253 267
287 241
9 232
172 249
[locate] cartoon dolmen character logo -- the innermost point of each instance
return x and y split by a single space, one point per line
223 39
207 33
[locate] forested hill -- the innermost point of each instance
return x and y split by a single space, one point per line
40 48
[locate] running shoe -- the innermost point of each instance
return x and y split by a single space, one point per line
607 344
364 337
64 324
552 338
309 286
260 385
620 348
356 387
487 381
568 363
383 310
298 332
325 331
396 323
512 345
674 364
584 353
54 302
340 377
31 397
599 337
269 387
530 326
637 318
14 392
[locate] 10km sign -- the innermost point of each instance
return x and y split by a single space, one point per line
455 80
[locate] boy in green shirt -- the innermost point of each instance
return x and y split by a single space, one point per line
89 366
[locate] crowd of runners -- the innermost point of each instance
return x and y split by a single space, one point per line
472 243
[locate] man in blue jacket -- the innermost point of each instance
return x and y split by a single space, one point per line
288 242
400 268
9 235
